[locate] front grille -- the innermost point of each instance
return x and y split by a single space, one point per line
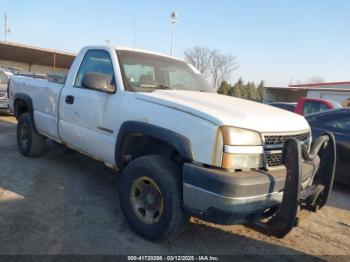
280 139
274 145
273 159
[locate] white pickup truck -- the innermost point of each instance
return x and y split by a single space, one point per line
182 149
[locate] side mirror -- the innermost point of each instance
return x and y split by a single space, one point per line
98 81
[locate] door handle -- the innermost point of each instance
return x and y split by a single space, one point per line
70 99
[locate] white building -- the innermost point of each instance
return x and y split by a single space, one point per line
34 59
336 91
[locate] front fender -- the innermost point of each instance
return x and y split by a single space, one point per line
178 141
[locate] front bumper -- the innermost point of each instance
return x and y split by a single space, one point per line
234 198
247 197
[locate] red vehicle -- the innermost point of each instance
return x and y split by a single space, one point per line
306 106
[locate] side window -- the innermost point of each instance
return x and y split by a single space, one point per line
96 61
340 123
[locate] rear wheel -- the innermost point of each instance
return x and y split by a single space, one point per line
29 141
151 197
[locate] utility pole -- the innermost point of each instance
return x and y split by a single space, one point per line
173 21
6 29
134 30
5 26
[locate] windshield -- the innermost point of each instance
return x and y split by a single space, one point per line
144 72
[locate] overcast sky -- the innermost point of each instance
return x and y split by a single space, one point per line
274 40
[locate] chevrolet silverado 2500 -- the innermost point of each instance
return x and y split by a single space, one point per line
182 149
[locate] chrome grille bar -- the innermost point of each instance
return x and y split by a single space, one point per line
273 145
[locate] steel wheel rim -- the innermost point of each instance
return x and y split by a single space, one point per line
24 136
146 200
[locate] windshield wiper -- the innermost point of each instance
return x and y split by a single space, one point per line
163 87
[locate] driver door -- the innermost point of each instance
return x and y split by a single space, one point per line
82 110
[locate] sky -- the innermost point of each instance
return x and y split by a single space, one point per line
277 41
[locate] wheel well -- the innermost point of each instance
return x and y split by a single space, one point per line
20 107
136 145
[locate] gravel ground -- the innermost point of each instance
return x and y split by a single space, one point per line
67 203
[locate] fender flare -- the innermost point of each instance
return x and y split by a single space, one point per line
178 141
29 102
27 99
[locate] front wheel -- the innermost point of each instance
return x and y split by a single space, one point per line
29 141
151 197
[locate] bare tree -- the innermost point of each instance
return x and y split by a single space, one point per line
199 57
312 80
221 68
216 67
315 80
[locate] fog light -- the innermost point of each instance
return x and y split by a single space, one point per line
242 161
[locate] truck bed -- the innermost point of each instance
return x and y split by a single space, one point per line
44 95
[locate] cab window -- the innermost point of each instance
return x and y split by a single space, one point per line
95 61
313 107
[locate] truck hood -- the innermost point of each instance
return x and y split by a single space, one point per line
227 110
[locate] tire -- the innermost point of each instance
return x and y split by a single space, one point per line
29 141
167 178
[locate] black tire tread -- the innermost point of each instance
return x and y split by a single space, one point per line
171 176
37 142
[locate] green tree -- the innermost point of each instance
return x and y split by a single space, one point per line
251 91
244 91
224 88
237 92
260 92
234 91
231 90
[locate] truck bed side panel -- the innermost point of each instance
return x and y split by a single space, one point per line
44 96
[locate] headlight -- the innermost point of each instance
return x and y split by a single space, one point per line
242 148
234 136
